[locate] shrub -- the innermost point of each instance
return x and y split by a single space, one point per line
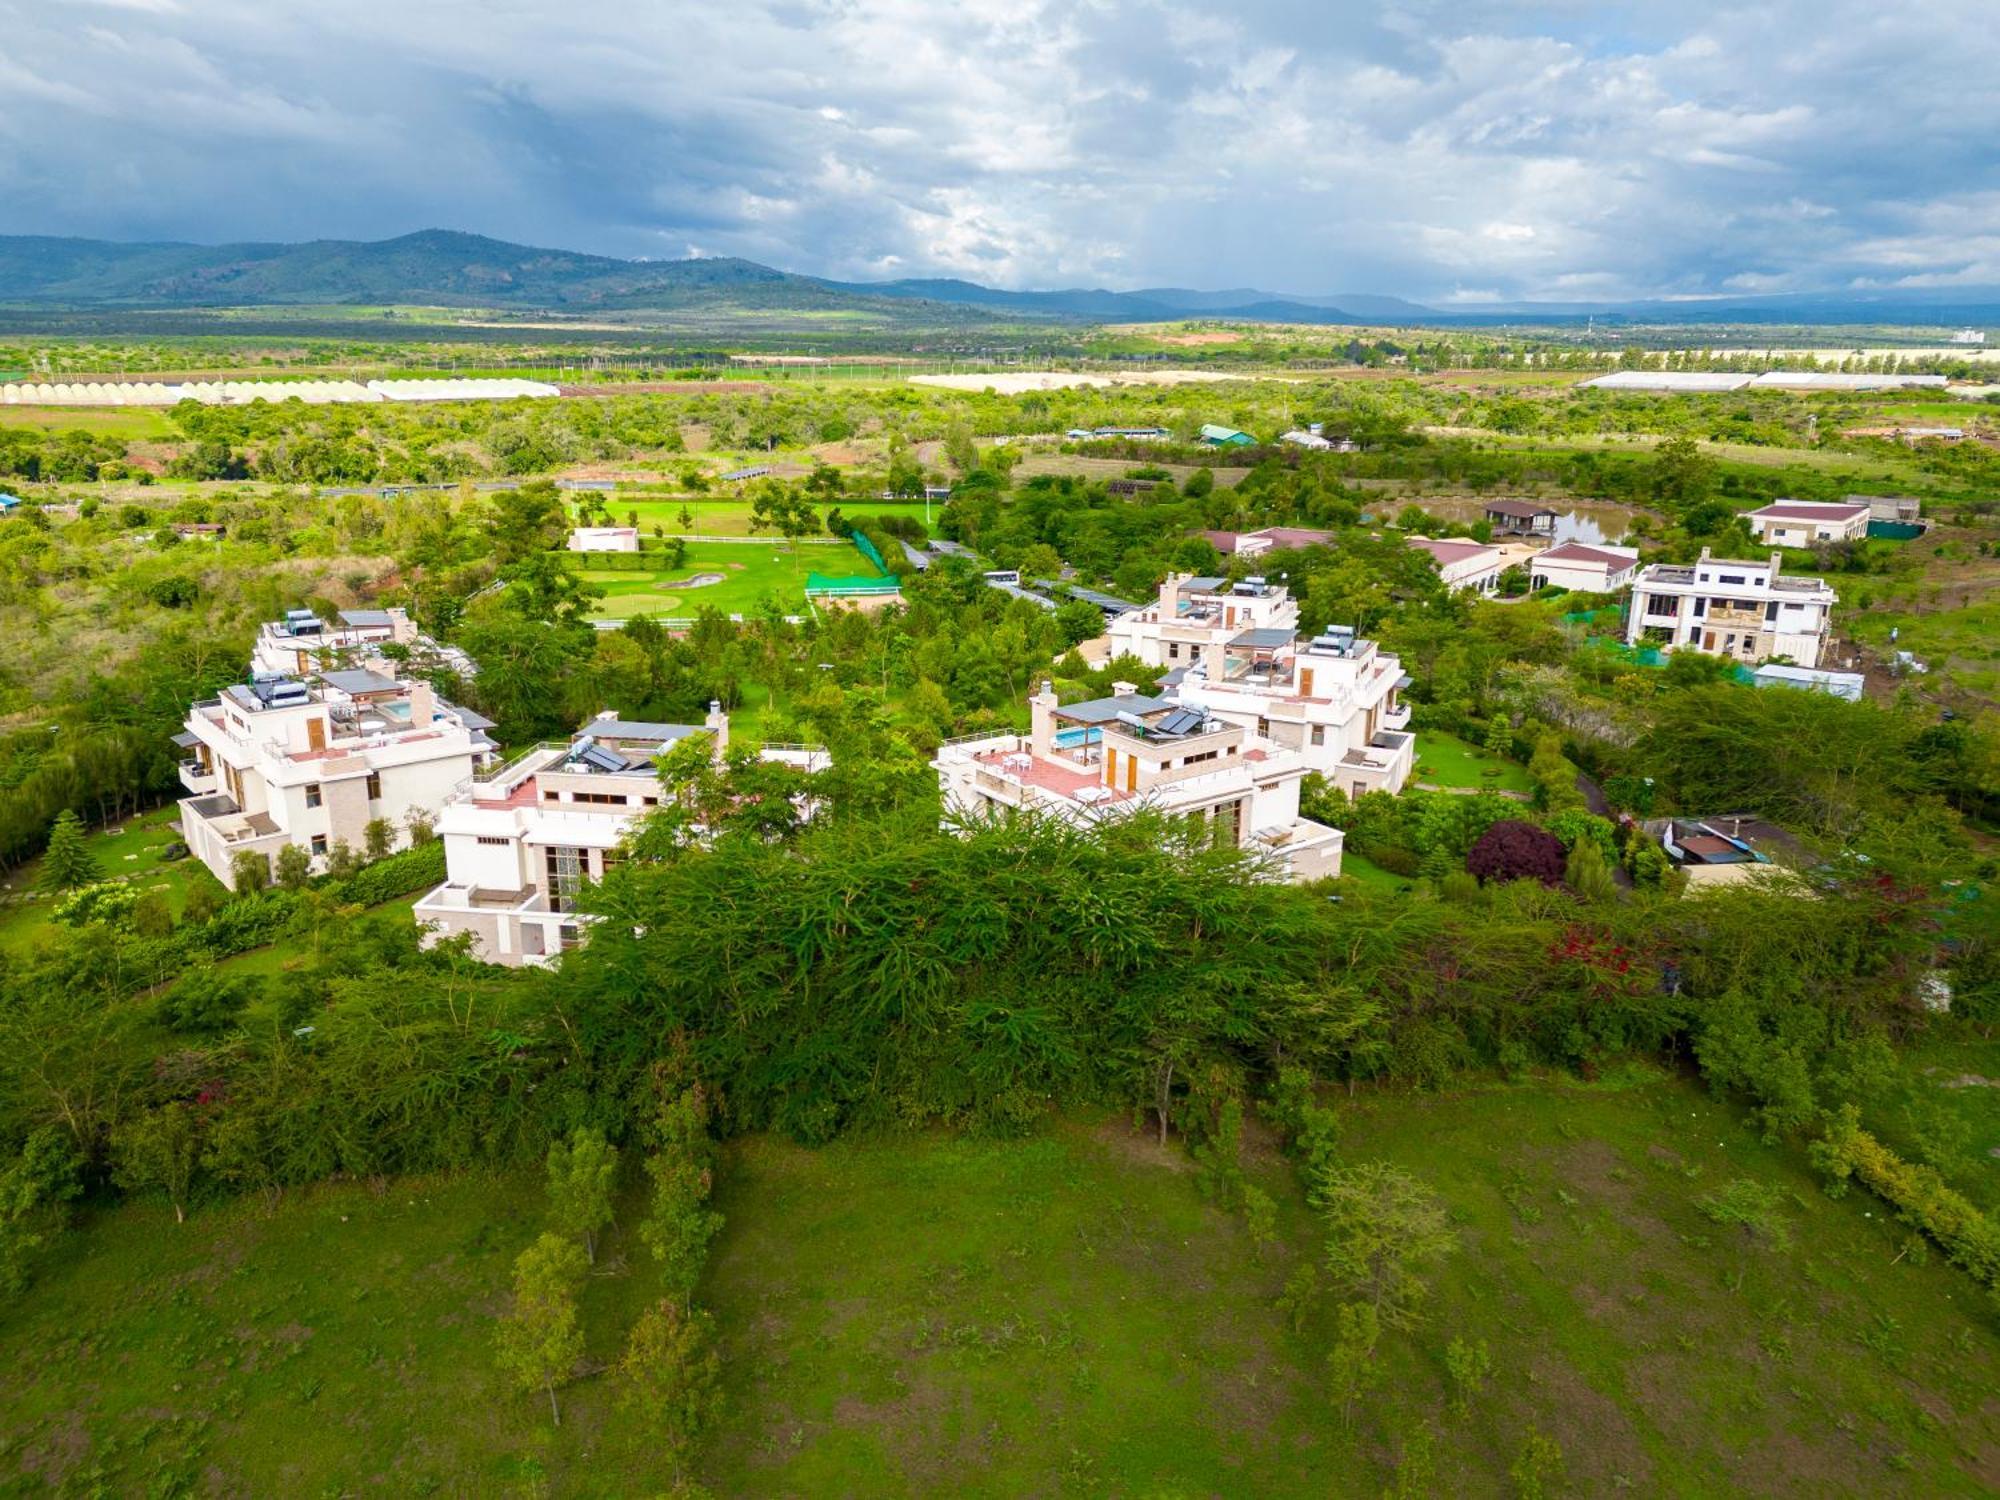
1514 850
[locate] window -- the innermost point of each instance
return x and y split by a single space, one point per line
318 844
1264 728
312 794
1319 734
600 799
565 871
1771 610
1173 650
1700 608
374 786
1736 578
1197 759
550 794
493 840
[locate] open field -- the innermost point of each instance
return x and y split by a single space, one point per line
1115 468
1061 1314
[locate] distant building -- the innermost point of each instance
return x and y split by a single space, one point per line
302 643
1269 539
1713 852
755 471
1969 336
9 502
1745 610
1905 509
1302 439
1224 437
1520 518
1848 685
1800 523
1583 567
604 539
1194 617
1464 565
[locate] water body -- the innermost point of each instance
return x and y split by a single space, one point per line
1576 520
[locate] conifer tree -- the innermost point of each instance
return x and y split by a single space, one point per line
68 862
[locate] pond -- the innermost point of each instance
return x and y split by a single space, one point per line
1576 520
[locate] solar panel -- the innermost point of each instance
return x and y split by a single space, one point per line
602 759
1180 721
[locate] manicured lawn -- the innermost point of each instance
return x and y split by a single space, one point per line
751 573
1446 760
1065 1313
128 850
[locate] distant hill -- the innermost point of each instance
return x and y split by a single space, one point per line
468 270
446 268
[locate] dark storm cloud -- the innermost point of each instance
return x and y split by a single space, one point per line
1446 150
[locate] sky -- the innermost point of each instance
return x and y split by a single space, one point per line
1454 151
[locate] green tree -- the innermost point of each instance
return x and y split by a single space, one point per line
780 508
671 1375
1384 1229
1351 1366
67 862
1587 874
294 867
1468 1364
36 1188
540 1341
1538 1467
1680 476
581 1172
158 1149
249 872
378 837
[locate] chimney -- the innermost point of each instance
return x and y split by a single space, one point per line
1777 561
606 713
1169 590
400 629
1124 689
717 724
423 705
1042 720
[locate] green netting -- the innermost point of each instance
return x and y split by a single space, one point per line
1895 531
849 583
867 549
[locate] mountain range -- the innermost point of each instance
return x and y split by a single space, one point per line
447 268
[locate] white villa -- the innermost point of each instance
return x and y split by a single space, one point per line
1583 567
1194 617
1745 610
288 760
1800 523
1464 565
1111 756
302 643
521 839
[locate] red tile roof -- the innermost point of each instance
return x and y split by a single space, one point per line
1811 510
1451 551
1580 552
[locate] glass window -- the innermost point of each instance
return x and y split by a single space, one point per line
312 794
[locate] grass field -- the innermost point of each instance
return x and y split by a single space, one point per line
751 574
1446 760
128 423
129 850
1062 1314
1358 867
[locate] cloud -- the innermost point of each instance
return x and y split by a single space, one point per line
1424 147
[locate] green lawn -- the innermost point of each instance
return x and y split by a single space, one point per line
1060 1314
128 850
1367 872
1446 760
751 572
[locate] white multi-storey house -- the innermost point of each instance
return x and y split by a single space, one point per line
1111 756
286 760
521 839
1745 610
1236 655
1193 617
1335 701
302 643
